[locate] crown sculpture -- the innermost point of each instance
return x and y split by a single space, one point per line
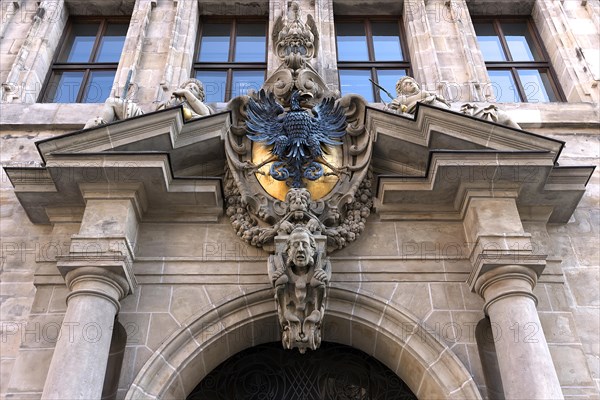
298 181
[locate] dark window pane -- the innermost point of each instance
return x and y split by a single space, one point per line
214 45
356 81
503 86
489 42
64 87
99 86
351 42
243 81
388 78
250 43
520 42
111 44
386 41
214 84
78 47
536 85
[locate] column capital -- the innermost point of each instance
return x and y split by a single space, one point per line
113 267
95 281
506 281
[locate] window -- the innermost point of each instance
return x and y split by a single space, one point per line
370 49
517 65
85 66
232 57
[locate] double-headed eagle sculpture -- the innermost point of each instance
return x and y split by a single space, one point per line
299 137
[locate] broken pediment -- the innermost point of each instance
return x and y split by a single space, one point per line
174 164
427 164
423 166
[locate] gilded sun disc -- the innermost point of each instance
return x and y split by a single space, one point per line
278 189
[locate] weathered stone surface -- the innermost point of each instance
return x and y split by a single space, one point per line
187 267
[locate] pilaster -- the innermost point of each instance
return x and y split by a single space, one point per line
27 74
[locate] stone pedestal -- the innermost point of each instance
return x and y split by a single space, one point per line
79 363
523 356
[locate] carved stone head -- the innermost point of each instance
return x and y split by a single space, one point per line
407 86
195 86
298 201
300 249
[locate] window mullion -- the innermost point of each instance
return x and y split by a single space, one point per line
228 84
232 41
369 38
500 33
520 87
82 88
99 35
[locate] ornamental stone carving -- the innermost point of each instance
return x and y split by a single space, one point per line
299 272
409 93
298 181
296 43
190 95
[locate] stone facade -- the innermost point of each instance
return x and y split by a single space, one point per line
189 293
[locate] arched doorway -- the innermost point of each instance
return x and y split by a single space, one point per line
333 372
381 329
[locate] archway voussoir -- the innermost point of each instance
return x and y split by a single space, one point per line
379 328
410 369
175 391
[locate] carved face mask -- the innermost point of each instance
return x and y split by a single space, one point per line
300 251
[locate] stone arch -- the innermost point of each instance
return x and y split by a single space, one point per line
361 320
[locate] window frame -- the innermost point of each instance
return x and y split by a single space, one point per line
85 67
372 65
543 65
230 65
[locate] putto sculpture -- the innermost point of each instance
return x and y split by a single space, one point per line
190 95
299 273
409 94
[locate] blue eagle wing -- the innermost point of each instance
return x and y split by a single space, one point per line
329 125
264 123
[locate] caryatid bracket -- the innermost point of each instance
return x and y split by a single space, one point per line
299 272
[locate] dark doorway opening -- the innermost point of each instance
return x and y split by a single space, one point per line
334 371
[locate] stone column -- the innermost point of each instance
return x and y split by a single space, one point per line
81 354
523 356
505 271
98 273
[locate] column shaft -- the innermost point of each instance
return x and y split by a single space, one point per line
81 354
524 359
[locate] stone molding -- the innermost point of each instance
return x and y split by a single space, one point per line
574 74
505 281
28 72
97 281
424 363
181 47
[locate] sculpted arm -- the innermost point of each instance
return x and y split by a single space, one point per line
197 106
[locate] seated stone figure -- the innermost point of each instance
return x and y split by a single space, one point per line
115 109
191 95
409 93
